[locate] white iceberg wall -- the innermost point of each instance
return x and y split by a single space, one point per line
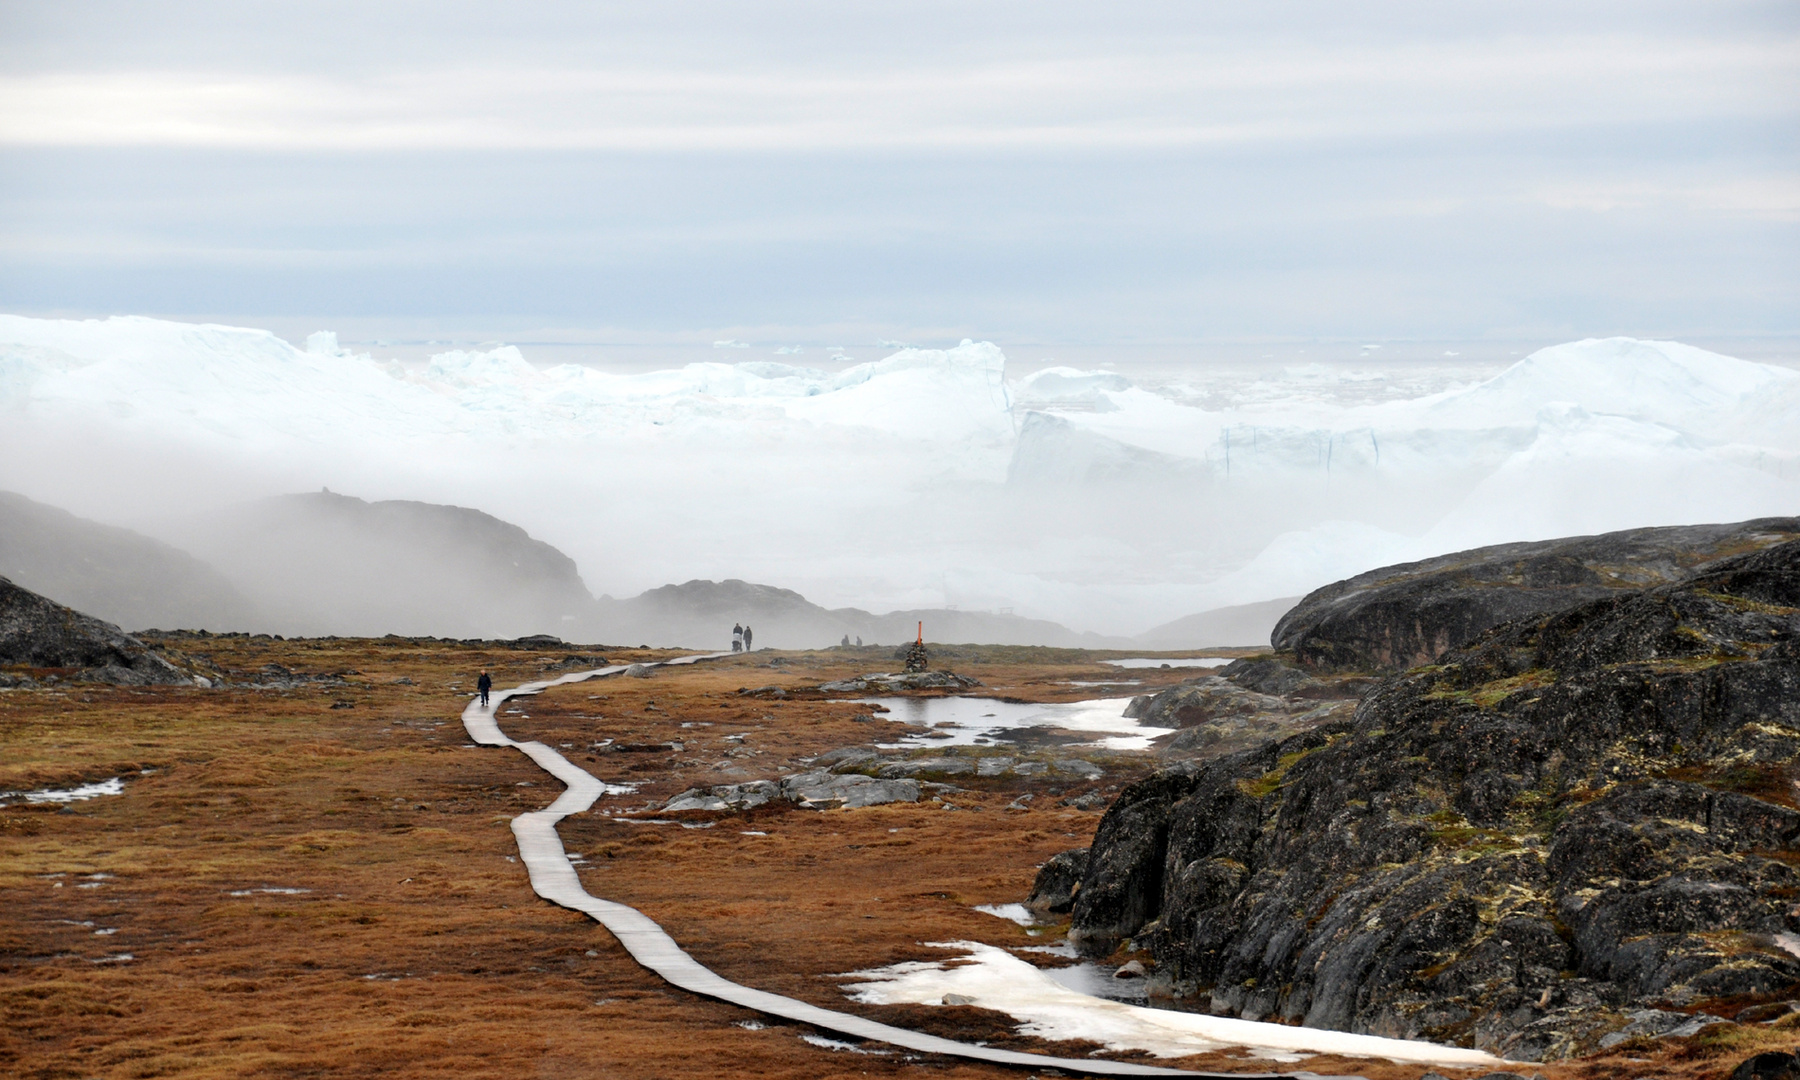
915 480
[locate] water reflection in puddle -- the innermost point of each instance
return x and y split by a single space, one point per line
1098 980
973 721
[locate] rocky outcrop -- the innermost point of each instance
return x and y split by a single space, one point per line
1401 616
1252 701
908 680
810 791
1572 819
48 639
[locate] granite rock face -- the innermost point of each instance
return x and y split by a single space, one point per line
1574 818
1399 616
1251 701
39 633
1058 880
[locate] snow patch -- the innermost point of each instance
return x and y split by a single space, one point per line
995 979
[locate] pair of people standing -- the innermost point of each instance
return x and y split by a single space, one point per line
740 638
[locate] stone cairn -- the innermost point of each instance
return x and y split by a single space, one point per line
917 659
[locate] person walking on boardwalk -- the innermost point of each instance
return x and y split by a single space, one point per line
737 637
746 639
484 684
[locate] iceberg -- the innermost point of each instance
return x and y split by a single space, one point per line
930 477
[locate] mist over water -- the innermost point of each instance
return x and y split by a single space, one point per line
1108 499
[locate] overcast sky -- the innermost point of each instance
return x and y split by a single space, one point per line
1045 171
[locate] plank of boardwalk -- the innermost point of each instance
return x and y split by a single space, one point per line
554 878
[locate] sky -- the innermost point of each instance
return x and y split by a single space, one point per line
841 174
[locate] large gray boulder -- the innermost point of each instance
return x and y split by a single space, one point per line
38 633
825 791
1401 616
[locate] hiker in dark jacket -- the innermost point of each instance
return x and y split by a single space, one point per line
484 684
746 639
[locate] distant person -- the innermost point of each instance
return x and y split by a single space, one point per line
746 639
737 638
859 641
484 684
846 642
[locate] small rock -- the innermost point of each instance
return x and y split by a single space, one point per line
1058 880
942 766
1762 1014
1773 1065
745 796
1131 969
958 999
845 758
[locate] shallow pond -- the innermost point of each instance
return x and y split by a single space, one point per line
975 721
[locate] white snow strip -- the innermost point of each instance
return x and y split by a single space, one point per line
995 979
115 786
1014 912
554 878
1163 662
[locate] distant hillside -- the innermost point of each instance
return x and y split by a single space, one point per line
323 563
116 575
1241 624
701 614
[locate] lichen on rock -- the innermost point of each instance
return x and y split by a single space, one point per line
1579 814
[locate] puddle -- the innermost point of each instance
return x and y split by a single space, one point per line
115 786
1179 661
1096 980
975 721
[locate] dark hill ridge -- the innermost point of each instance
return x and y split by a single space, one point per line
323 563
1399 616
1576 815
38 634
700 613
115 574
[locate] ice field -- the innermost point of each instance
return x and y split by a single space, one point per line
931 477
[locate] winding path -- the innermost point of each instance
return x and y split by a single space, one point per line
553 877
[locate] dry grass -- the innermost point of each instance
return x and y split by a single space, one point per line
418 948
